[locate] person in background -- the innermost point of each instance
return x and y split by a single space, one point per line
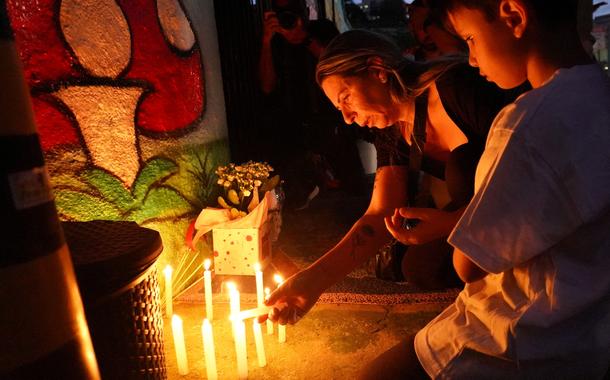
332 142
305 139
432 39
446 42
429 115
424 48
533 244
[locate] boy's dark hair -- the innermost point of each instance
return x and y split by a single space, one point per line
550 14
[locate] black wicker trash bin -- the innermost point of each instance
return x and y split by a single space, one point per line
114 268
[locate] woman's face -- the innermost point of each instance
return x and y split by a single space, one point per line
363 99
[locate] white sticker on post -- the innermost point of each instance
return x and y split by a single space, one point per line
30 188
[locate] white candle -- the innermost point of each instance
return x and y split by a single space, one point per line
251 313
180 348
260 297
269 323
207 285
209 350
281 329
169 310
258 339
233 298
239 327
233 306
281 333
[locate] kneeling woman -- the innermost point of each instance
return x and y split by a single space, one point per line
431 117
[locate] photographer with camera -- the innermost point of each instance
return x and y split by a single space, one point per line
290 23
304 138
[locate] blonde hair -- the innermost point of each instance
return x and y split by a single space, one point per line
356 51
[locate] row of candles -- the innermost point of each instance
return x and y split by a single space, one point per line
237 317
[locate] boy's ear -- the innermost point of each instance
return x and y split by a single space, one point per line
514 13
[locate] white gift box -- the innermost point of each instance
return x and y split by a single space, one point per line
238 243
237 250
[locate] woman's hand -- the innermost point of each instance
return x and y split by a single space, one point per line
293 298
433 224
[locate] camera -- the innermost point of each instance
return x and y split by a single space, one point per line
287 19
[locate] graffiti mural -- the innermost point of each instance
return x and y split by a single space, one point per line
111 82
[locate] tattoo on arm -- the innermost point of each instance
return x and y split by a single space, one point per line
359 238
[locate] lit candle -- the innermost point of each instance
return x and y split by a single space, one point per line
260 298
281 329
207 285
239 327
180 348
169 310
251 313
210 352
269 323
258 339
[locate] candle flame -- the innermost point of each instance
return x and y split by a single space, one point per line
267 292
176 320
168 271
257 267
278 279
206 264
231 286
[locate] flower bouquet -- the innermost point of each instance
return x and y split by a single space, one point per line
242 231
244 185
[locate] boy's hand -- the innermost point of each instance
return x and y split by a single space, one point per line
433 224
293 298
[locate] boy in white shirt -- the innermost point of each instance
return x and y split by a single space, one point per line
533 246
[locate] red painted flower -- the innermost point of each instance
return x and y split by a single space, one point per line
166 64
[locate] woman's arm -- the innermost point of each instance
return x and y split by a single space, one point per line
368 233
300 292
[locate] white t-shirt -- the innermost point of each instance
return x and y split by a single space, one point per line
539 222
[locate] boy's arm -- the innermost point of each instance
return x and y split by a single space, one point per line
466 268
